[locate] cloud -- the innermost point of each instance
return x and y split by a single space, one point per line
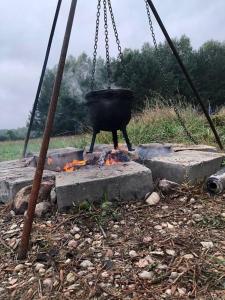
25 27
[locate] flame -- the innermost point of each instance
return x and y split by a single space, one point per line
72 166
111 161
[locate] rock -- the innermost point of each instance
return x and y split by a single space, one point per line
144 262
133 254
109 253
42 271
48 283
53 196
39 266
182 291
223 215
73 244
146 275
173 275
188 256
169 292
74 230
147 239
183 199
12 281
86 264
42 209
170 252
70 278
158 227
105 274
19 268
77 236
20 203
168 187
207 245
197 217
192 201
153 199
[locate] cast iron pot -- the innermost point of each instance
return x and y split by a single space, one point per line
109 109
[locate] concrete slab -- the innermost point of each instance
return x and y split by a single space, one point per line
14 176
185 166
123 181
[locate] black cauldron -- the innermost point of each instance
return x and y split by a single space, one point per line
110 110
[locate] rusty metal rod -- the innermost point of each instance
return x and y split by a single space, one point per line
23 249
183 68
41 77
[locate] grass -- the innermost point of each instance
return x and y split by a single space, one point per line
155 124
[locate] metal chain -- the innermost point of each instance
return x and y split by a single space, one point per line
95 45
165 82
120 55
107 44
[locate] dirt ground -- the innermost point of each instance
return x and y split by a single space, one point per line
174 250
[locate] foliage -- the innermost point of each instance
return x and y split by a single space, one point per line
140 72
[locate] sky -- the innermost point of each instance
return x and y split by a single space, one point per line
25 26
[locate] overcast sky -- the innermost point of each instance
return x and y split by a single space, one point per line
25 27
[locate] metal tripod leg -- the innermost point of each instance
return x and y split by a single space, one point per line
115 139
125 135
93 141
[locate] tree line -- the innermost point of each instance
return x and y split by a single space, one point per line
142 72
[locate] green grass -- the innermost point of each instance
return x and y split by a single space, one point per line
158 124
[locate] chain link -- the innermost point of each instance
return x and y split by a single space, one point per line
165 82
107 43
95 45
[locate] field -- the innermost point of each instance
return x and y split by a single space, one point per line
158 124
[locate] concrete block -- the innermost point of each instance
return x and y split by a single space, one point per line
14 176
185 166
123 181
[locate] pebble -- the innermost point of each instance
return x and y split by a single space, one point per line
192 201
116 226
12 281
105 274
14 226
147 239
72 244
207 245
169 292
42 271
142 263
170 252
77 236
182 291
146 275
197 217
86 264
188 256
48 283
109 253
19 268
68 261
114 236
174 275
158 227
153 199
1 290
165 207
74 230
223 215
183 199
70 278
39 266
133 254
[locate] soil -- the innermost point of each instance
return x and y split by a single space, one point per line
101 252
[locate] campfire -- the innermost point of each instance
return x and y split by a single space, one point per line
102 158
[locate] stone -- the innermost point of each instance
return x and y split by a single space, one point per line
39 266
15 175
207 245
70 278
73 244
153 199
146 275
170 252
53 196
188 256
19 268
185 166
21 199
42 209
48 283
74 230
86 264
123 181
197 217
133 254
168 187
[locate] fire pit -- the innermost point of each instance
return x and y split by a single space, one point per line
110 110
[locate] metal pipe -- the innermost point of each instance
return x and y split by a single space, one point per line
46 138
183 68
41 77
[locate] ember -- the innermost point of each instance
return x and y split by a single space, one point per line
74 165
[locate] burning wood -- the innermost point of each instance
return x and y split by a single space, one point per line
74 165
